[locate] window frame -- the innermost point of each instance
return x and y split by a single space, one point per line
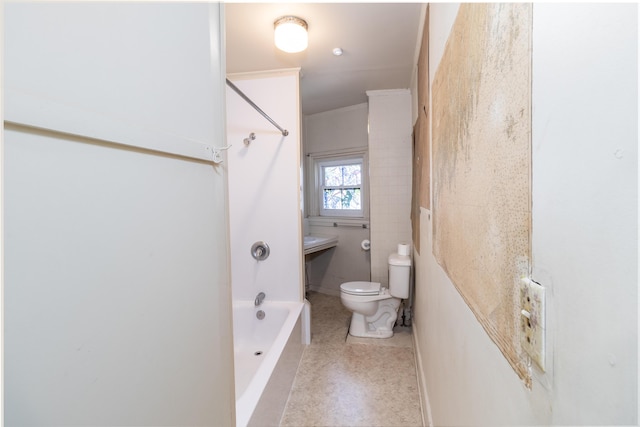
316 185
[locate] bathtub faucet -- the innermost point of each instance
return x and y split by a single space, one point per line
259 298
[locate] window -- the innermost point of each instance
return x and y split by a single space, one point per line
340 189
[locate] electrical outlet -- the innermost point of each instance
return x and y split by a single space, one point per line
532 320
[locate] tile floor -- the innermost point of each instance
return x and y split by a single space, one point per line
348 381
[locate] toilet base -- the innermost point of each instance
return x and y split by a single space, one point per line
379 325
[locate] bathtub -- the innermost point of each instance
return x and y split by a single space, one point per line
266 357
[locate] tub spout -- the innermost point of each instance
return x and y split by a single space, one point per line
259 298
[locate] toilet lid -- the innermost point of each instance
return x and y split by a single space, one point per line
360 288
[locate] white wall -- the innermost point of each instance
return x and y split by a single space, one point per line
383 128
116 63
116 289
584 239
413 87
337 130
585 152
264 186
390 165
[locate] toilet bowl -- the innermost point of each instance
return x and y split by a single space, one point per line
374 307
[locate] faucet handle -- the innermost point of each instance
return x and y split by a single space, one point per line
260 251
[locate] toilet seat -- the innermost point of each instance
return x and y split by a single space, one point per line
361 288
363 292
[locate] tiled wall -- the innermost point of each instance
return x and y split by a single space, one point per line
337 130
390 151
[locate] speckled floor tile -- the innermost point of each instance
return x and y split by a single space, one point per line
330 320
340 383
402 337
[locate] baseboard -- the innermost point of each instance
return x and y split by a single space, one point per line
427 420
326 291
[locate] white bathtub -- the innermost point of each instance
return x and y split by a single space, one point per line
267 353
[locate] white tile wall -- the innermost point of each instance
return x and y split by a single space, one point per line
390 151
337 130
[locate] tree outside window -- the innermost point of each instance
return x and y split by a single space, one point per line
341 187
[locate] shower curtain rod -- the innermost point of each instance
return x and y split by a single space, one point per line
246 98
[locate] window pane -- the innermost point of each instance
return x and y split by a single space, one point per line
351 199
342 199
351 175
336 176
332 176
332 199
340 187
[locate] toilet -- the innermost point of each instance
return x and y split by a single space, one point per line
375 308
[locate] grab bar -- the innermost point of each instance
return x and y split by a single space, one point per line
258 109
337 224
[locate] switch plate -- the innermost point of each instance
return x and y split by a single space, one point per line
532 320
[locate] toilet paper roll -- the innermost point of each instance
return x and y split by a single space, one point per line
403 249
366 245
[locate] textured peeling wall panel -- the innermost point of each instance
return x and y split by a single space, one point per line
415 184
423 88
482 161
421 189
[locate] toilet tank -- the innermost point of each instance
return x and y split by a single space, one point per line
399 275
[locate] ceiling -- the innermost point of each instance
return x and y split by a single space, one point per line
378 39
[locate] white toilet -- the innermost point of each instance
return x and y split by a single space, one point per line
375 308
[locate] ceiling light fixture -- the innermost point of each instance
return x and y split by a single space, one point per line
291 34
337 51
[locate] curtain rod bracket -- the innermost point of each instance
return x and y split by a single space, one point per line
216 153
